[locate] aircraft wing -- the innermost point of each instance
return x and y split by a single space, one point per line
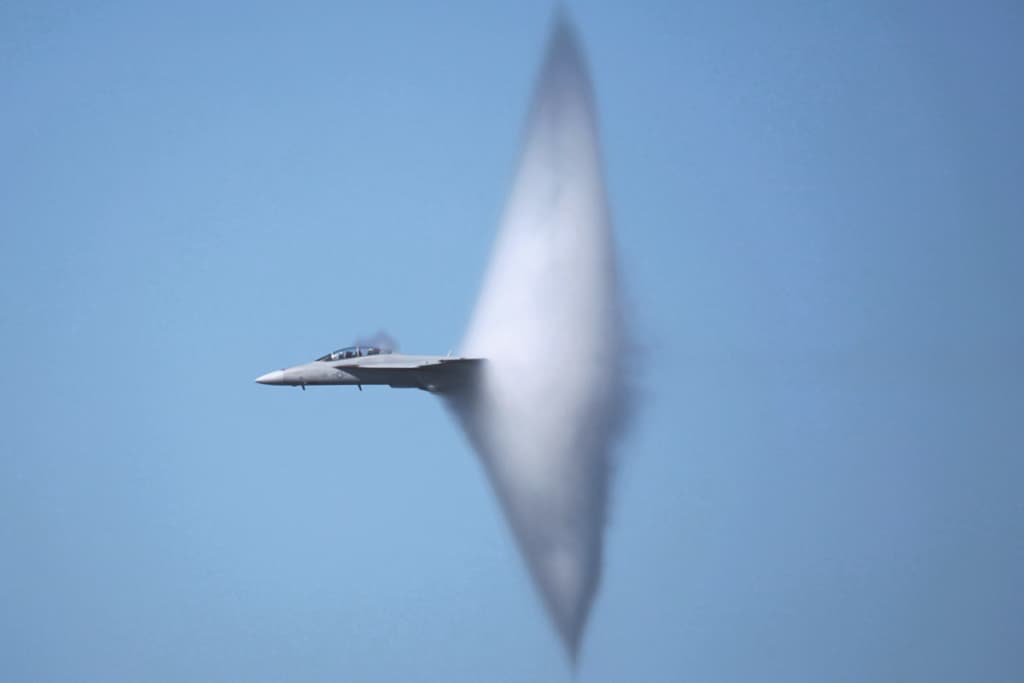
434 374
412 364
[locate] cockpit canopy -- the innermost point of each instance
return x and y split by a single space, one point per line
351 352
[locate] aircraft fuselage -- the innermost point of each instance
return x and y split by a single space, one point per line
430 373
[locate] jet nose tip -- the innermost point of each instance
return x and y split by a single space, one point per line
275 377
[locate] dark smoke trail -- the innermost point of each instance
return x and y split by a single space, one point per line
381 340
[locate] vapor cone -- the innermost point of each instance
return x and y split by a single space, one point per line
549 402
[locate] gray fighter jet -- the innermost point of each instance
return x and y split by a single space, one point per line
359 365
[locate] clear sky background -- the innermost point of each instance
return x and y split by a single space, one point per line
819 210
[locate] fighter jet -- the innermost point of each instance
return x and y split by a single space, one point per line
359 365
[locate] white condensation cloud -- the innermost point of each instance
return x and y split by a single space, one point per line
551 400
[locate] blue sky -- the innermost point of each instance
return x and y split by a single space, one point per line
818 209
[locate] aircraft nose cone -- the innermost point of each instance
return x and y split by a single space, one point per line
275 377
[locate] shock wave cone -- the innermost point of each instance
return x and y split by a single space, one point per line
549 404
